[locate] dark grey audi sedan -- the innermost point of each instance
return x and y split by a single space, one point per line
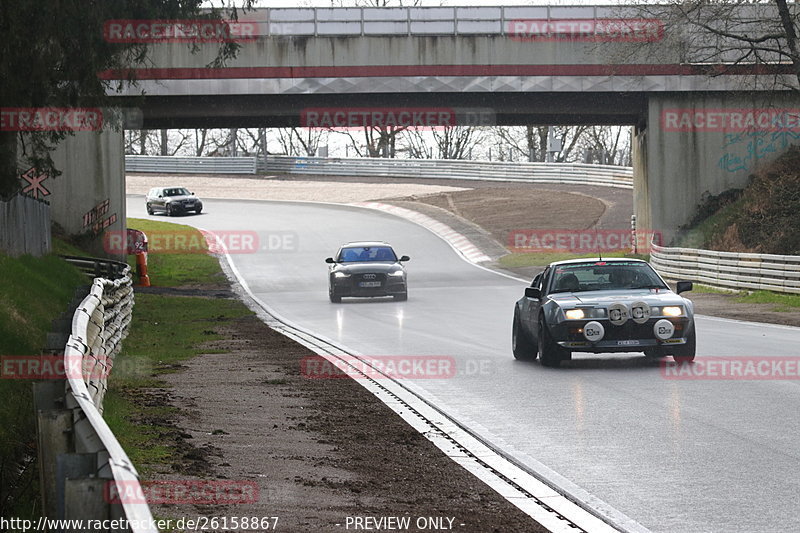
366 269
601 306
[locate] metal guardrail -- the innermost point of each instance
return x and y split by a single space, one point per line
99 324
605 175
97 267
203 165
729 270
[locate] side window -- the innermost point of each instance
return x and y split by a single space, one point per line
545 279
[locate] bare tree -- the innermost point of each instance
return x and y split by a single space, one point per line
450 142
301 141
726 35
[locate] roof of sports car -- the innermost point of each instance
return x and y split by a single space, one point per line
598 259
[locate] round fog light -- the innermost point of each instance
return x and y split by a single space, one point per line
593 331
663 329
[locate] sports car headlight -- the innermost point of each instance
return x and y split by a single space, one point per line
672 310
341 275
575 314
396 273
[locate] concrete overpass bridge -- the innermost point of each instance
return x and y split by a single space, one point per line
517 65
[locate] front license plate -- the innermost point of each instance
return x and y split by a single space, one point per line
627 343
370 284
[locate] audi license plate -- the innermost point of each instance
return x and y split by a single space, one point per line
628 343
369 284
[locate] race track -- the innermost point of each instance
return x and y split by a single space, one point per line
674 455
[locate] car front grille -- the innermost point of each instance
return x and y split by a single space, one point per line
371 277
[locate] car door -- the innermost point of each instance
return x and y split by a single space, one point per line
531 306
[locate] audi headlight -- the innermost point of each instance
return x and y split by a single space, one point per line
575 314
396 273
672 310
341 275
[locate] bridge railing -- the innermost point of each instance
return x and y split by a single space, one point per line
729 270
367 21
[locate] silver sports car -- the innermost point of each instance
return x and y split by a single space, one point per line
601 306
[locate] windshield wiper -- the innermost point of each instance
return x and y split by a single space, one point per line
651 286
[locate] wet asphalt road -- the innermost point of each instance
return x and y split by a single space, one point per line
674 455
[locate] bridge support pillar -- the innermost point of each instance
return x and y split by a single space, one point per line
690 147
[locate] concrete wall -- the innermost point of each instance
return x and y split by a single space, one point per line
89 197
674 168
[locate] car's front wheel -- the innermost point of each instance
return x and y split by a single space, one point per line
197 211
684 353
521 345
149 210
550 353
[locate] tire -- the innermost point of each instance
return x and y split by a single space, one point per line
400 297
334 298
149 210
550 353
521 345
684 353
167 211
197 211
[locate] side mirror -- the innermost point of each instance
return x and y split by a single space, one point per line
330 260
533 292
191 193
404 258
684 286
161 196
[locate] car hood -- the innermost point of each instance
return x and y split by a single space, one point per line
380 267
603 298
181 198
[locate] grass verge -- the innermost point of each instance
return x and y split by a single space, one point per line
35 291
166 265
165 330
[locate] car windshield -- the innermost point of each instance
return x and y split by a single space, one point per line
355 254
601 275
176 191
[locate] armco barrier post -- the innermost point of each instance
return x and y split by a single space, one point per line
83 500
54 431
72 466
